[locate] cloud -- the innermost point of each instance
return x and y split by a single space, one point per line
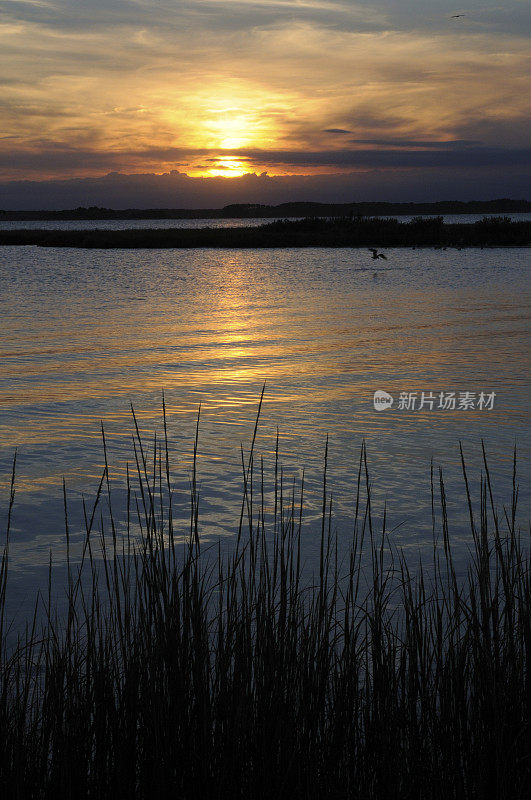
138 86
176 190
415 143
434 17
469 157
404 155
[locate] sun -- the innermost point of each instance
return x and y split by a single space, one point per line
233 142
228 127
222 167
226 124
230 167
231 127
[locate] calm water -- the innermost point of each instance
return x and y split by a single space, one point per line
128 224
84 333
125 224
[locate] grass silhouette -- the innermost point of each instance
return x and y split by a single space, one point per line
310 232
184 672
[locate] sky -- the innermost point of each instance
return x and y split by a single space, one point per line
289 99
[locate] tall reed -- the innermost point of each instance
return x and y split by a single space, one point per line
189 671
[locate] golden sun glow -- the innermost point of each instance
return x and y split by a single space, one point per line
228 167
224 117
231 127
225 125
232 142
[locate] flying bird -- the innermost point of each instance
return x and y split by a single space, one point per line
376 254
455 16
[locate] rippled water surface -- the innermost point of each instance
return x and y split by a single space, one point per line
85 333
125 224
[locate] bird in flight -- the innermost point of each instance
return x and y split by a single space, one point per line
376 254
455 16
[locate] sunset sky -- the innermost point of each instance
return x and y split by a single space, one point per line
207 88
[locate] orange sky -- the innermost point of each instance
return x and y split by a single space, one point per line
215 87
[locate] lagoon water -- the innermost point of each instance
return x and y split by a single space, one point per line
238 222
85 333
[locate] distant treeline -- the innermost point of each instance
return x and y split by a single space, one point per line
309 232
253 210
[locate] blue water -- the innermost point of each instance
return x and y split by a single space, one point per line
128 224
84 333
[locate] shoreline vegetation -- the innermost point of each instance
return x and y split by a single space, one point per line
179 671
308 232
283 211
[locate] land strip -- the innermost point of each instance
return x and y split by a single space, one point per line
311 232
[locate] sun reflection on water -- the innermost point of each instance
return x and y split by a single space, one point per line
211 327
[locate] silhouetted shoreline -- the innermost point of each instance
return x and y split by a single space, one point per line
284 210
310 232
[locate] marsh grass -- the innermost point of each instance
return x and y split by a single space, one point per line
179 670
308 232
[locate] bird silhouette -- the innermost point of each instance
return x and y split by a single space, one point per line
456 16
376 254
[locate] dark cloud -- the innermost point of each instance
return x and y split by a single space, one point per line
512 131
371 118
445 155
177 190
445 144
401 157
179 15
222 156
61 157
435 16
510 16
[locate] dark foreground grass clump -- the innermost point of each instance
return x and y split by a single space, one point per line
185 673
